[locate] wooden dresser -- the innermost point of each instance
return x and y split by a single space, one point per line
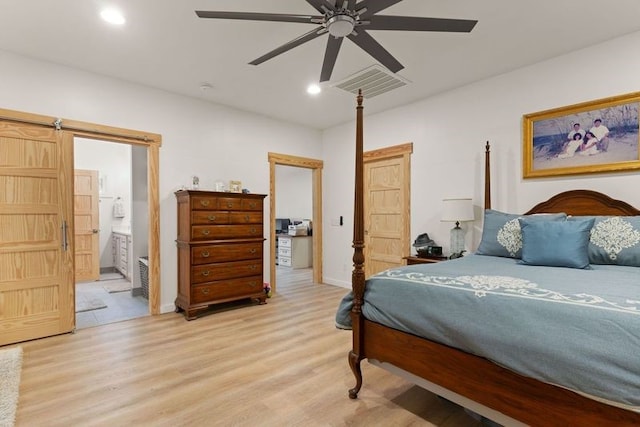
220 249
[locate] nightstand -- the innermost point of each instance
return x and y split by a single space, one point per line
411 260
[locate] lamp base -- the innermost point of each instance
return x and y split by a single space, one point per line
457 240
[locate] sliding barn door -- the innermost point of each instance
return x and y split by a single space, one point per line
36 219
87 222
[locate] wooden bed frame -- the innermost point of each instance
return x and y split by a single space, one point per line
475 378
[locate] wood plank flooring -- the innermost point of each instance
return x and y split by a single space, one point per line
279 364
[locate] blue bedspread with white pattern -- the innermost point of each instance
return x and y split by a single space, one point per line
579 329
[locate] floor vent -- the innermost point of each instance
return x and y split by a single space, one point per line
373 81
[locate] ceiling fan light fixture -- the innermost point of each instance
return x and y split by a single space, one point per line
340 25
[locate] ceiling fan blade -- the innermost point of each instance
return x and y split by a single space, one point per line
318 4
290 45
330 56
375 49
374 6
277 17
410 23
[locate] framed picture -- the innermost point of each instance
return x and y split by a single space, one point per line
235 186
592 137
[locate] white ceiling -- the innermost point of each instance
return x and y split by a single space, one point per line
164 45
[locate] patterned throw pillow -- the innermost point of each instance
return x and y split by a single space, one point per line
556 243
501 234
614 240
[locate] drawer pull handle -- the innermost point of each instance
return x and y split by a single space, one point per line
253 284
229 204
205 291
211 217
253 251
204 202
246 217
205 232
205 273
205 254
252 204
253 267
254 231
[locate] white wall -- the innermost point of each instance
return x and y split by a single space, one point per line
112 161
199 138
449 132
294 192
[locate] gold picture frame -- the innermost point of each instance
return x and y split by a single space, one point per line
235 186
550 147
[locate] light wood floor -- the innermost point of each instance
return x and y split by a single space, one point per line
279 364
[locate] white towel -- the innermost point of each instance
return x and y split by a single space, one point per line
118 208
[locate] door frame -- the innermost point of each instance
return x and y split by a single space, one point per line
316 184
151 141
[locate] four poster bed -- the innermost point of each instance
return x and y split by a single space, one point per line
454 364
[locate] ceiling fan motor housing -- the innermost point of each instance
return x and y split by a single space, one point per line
340 24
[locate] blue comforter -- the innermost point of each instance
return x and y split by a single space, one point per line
579 329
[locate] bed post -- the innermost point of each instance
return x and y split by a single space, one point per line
487 178
357 276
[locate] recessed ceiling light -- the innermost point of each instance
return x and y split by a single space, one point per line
112 16
313 89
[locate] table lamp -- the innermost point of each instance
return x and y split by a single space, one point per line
458 210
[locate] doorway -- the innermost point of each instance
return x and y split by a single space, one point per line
109 173
35 141
316 195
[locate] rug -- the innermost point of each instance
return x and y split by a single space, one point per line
117 287
10 365
111 276
88 304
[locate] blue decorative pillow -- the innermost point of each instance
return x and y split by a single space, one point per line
556 243
501 235
614 240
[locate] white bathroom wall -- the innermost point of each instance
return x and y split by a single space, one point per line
112 161
198 137
449 132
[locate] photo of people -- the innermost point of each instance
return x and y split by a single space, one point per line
597 137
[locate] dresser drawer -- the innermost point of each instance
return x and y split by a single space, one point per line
284 242
209 217
251 204
285 261
231 252
225 270
246 217
284 252
213 232
204 202
226 289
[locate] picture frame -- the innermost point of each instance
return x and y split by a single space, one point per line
235 186
550 147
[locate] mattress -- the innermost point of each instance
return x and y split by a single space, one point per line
579 329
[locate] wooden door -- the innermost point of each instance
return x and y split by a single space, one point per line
387 214
36 257
86 225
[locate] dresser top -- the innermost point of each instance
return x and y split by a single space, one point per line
217 193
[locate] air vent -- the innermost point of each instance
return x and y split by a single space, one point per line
373 81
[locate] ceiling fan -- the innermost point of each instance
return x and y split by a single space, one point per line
351 19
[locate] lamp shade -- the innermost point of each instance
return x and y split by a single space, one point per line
457 210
